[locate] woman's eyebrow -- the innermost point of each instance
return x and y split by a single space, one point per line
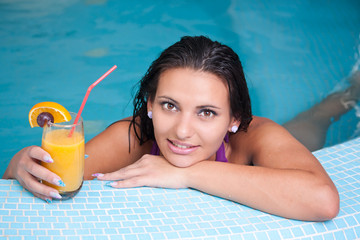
208 106
168 98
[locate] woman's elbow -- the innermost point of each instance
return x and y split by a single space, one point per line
328 203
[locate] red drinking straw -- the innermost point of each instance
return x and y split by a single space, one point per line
87 95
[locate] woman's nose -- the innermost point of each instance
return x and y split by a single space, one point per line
184 126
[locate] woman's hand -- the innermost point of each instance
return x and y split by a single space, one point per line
151 171
25 167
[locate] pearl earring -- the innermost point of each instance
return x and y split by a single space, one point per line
150 114
234 129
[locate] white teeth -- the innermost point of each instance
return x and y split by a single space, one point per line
180 146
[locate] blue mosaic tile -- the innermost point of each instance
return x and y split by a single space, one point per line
350 234
286 233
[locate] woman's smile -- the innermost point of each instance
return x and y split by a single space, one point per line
181 148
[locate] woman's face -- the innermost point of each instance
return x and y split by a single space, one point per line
191 115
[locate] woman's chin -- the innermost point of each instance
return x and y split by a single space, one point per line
181 161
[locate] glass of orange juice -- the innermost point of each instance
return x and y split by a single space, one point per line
66 145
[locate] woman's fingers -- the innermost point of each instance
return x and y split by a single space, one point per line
28 172
151 171
129 183
43 197
38 189
39 154
43 173
38 171
132 170
124 173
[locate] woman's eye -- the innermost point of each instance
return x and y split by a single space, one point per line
169 106
207 113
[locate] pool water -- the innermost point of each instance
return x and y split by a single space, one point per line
294 54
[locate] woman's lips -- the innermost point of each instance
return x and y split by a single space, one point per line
181 148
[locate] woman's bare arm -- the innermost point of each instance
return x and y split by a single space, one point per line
285 179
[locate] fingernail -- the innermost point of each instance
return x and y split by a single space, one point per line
97 175
55 195
48 200
59 182
111 184
48 159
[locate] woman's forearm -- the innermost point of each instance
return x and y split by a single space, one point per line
288 193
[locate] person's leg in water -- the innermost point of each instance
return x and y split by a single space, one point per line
310 127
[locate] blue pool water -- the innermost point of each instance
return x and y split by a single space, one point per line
294 54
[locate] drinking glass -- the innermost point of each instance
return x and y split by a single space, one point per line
66 145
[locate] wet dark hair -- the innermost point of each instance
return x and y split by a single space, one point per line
198 53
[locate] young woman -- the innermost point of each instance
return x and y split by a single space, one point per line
192 127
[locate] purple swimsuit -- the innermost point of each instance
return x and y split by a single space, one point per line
220 154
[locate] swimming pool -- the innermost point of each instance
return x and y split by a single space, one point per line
294 54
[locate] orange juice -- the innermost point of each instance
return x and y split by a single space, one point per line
68 155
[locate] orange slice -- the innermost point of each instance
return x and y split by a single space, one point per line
59 113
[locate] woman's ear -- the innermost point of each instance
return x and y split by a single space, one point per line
234 125
149 105
149 109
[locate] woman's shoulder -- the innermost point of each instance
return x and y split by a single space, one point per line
262 132
259 126
120 136
119 125
124 131
262 139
